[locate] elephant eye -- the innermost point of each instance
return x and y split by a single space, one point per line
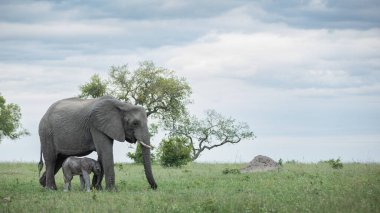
136 123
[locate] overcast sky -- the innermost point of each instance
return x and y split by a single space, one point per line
305 75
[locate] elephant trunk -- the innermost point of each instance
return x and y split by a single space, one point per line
148 167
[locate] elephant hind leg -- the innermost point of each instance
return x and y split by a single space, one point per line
52 167
58 165
43 179
49 174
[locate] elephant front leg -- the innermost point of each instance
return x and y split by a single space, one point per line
109 173
104 146
108 170
67 177
67 186
97 178
97 181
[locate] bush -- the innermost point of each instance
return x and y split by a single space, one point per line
279 162
335 164
231 171
137 156
174 152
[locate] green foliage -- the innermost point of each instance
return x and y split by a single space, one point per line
95 88
230 171
335 164
280 162
174 152
10 116
153 129
201 188
213 131
159 90
137 157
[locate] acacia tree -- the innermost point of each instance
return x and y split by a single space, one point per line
157 89
10 126
213 131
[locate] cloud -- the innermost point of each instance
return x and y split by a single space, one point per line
235 42
289 68
316 14
120 27
58 30
295 60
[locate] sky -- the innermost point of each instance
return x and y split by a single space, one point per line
304 74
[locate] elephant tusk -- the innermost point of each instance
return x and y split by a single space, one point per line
145 145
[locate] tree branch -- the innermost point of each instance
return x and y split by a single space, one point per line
201 149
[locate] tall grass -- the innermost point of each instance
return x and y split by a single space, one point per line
202 188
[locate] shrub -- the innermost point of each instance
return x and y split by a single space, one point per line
174 152
335 164
231 171
137 156
280 162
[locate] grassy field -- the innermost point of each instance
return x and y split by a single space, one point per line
202 188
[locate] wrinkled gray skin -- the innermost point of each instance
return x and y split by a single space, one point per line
77 127
82 167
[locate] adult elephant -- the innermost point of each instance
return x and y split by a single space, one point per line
77 127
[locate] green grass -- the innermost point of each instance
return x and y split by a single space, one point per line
202 188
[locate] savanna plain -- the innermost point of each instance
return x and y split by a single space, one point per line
296 187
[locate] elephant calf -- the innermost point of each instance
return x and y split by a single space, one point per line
80 166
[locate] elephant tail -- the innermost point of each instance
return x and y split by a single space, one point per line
40 164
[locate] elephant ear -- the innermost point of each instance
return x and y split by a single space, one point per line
107 118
